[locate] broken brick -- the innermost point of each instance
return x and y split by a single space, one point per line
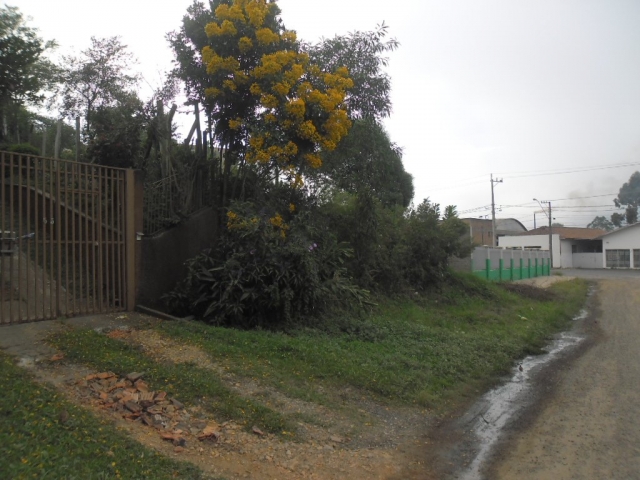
133 407
133 377
160 396
141 385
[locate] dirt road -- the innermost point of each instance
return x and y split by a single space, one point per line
588 427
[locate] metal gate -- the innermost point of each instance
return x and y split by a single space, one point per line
66 239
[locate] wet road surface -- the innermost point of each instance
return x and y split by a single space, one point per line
588 424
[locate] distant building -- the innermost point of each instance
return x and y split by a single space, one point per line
480 229
572 247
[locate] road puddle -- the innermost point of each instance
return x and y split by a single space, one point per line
488 417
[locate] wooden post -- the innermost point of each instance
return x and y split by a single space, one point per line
134 191
56 148
77 139
43 152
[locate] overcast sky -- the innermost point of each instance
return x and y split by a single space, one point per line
507 87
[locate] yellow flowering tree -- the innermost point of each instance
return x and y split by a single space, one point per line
273 107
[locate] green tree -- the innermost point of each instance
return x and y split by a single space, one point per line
367 159
628 197
100 77
601 223
116 133
25 73
363 53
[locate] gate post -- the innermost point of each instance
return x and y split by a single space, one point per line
134 191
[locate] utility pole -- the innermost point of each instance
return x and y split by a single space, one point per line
550 232
550 241
494 238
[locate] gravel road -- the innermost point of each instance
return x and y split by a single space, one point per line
588 425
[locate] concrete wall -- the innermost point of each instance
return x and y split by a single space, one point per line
566 256
164 255
624 239
587 260
534 241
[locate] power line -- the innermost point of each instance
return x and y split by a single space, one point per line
539 173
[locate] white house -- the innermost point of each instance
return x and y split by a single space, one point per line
572 247
622 247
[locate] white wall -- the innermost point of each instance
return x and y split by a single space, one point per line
535 241
623 239
587 260
566 257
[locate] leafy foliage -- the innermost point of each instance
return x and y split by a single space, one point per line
367 159
25 72
265 270
363 55
116 133
629 197
99 78
602 223
396 251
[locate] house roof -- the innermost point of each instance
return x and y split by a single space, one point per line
568 233
500 222
619 229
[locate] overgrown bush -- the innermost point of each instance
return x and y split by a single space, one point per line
396 250
266 268
24 148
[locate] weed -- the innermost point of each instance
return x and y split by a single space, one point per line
187 382
44 436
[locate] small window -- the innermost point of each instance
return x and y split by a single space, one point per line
636 258
574 248
618 259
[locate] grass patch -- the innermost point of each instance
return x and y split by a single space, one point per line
420 351
189 383
36 442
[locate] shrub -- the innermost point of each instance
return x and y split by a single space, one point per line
24 148
266 268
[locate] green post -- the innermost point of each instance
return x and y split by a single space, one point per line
521 265
511 268
487 267
537 274
501 269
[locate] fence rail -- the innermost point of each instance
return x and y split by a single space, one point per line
501 264
171 199
62 230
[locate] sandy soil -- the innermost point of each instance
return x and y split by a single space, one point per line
587 425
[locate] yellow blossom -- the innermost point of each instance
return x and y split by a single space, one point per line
245 44
281 88
212 92
255 89
230 85
212 29
228 28
276 221
296 107
269 101
289 36
292 207
266 36
314 161
235 124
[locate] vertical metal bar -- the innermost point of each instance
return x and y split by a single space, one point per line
130 238
36 237
44 235
75 184
58 238
21 160
87 239
93 239
67 210
12 233
27 189
3 243
120 223
100 247
81 216
111 291
52 251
